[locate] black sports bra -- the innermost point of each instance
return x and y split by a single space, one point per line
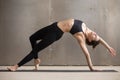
77 27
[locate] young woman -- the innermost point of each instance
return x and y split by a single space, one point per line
54 32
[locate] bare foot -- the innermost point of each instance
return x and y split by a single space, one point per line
36 63
12 68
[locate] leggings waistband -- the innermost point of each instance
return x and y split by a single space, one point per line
57 28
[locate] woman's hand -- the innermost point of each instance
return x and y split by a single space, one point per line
112 51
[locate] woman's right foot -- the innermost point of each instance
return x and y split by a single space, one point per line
12 68
36 63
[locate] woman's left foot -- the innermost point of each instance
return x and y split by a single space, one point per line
36 63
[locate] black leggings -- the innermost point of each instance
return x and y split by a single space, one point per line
47 36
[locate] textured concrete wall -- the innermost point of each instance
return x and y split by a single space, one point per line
20 18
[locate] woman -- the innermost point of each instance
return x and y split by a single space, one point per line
54 32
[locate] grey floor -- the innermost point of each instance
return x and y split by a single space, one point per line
61 73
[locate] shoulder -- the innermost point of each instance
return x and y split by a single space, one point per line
79 36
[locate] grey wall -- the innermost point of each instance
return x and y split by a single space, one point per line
20 18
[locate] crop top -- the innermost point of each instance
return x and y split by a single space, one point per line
77 27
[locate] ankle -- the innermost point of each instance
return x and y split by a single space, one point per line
16 65
37 61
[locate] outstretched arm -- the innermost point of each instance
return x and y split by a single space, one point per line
110 49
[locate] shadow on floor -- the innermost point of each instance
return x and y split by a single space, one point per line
59 71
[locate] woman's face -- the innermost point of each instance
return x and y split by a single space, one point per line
93 37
